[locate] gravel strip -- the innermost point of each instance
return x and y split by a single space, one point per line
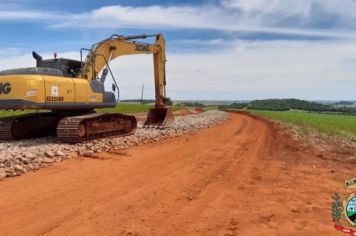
19 157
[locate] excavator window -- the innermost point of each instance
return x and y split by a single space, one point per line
70 68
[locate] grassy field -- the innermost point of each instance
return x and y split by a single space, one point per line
210 107
123 107
127 108
13 113
334 125
130 108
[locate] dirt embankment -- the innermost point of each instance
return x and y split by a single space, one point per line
244 177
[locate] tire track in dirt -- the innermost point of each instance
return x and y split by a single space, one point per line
243 177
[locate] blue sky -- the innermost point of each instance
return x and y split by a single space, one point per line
217 49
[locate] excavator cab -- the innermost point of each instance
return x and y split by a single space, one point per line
69 68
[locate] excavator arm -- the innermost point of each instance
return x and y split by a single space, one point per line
107 50
103 52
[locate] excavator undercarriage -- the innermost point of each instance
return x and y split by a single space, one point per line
68 126
95 125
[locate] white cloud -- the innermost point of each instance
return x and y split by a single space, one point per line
296 17
270 69
6 52
257 16
24 15
247 70
200 42
15 12
236 69
284 8
302 9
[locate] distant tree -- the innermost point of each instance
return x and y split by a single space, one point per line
287 104
193 104
169 101
269 104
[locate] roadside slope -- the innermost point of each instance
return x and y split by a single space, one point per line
239 178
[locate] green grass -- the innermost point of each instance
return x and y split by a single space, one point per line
14 113
210 107
343 126
127 108
123 107
130 108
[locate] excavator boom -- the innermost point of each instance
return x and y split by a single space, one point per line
103 52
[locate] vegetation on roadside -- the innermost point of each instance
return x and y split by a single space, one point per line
122 107
205 107
146 101
286 104
234 106
336 120
191 104
210 107
127 108
15 112
290 104
130 108
334 125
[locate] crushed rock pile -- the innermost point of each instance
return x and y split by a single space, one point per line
19 157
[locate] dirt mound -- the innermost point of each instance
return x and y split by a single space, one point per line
244 177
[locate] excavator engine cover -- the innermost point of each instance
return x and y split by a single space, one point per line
162 116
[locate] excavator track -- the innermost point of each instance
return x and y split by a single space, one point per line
95 125
5 128
28 126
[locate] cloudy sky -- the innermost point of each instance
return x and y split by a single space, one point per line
217 49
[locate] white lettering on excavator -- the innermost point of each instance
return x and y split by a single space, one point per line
54 91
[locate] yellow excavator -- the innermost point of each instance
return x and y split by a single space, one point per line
71 90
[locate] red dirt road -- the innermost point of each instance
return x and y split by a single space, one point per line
244 177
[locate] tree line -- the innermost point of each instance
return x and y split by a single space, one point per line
288 104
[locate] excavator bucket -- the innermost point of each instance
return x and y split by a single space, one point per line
159 117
